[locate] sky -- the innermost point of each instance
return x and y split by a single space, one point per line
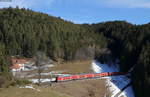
89 11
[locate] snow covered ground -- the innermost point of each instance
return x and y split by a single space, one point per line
42 80
30 87
114 83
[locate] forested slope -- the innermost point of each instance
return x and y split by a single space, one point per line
131 45
24 33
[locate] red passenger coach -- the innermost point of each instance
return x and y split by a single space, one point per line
104 74
89 75
73 77
67 78
82 76
97 74
62 78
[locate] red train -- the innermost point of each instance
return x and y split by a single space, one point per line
87 76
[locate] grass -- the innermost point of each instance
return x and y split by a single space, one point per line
82 88
74 67
21 92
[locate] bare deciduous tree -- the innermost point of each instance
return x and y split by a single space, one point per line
40 61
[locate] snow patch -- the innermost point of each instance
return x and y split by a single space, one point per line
30 87
42 80
98 67
114 83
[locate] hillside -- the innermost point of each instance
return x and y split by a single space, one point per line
20 92
87 88
131 45
24 33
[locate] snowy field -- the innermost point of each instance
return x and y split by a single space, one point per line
114 83
42 80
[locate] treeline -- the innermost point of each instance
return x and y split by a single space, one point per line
131 45
24 32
